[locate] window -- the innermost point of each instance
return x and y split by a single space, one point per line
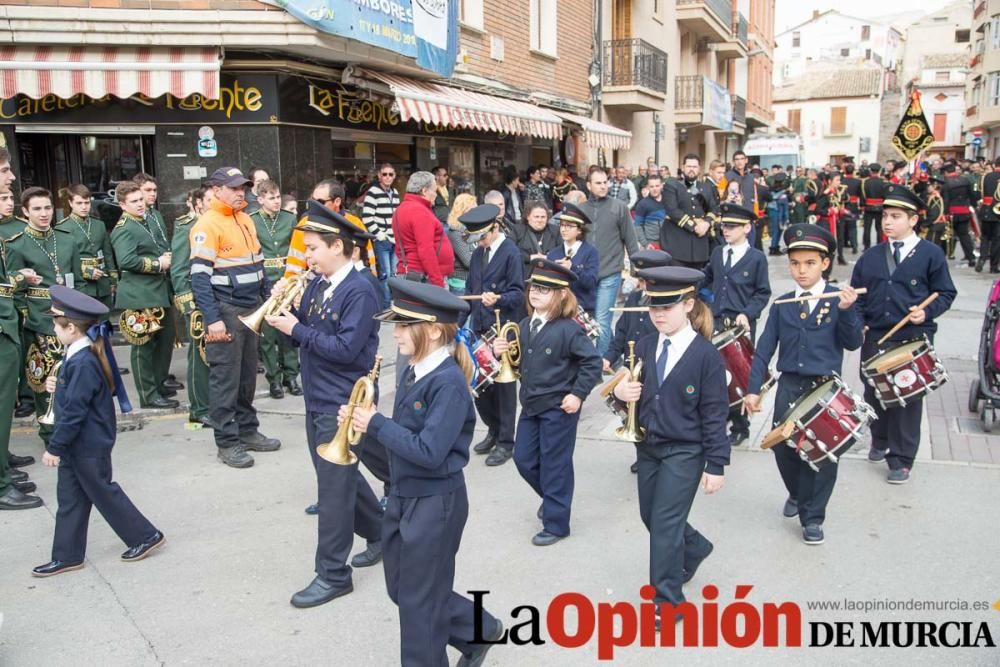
838 120
868 54
866 33
544 26
993 89
940 126
795 120
994 29
961 36
472 13
796 39
845 52
942 77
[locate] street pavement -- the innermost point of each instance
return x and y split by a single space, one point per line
239 544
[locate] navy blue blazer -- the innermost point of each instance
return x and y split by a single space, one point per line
630 326
812 346
892 290
585 264
337 340
428 437
559 360
692 404
504 275
745 288
85 414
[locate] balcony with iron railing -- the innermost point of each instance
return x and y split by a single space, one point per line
737 45
712 19
741 28
635 75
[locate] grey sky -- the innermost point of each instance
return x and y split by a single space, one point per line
792 12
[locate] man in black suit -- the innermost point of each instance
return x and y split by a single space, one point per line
685 233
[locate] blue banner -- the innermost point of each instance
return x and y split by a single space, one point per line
426 30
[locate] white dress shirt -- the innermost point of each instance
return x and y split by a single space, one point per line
430 362
76 346
679 343
818 288
738 252
501 237
571 250
338 277
909 243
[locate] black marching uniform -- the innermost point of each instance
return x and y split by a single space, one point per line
810 338
684 202
428 441
852 211
337 339
990 248
872 196
634 325
684 415
959 200
934 220
740 287
500 272
892 288
83 436
557 359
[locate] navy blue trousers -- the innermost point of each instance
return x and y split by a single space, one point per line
544 457
497 406
420 538
84 483
347 505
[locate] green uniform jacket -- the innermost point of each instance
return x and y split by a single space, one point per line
9 283
141 283
180 263
95 253
274 235
11 226
43 251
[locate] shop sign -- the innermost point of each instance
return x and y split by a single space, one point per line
349 107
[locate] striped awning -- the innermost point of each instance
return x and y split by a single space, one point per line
598 134
453 107
37 71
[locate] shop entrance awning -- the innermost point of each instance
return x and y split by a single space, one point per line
598 134
453 107
37 71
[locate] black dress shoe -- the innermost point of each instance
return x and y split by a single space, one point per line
56 567
313 509
16 461
372 555
160 403
475 659
545 538
15 500
634 468
18 476
294 388
24 409
172 384
143 549
318 592
499 456
167 393
692 567
791 508
737 439
123 371
275 390
25 487
485 445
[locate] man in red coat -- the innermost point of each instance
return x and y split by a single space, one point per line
424 252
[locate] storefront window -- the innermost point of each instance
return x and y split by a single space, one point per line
106 161
354 163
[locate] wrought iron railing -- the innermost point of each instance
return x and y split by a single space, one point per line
723 9
741 28
633 62
739 109
689 92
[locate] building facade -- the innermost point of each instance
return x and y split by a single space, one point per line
982 112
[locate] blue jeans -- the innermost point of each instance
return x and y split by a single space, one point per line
385 263
607 294
775 225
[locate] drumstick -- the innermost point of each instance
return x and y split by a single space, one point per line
630 309
471 297
827 295
899 325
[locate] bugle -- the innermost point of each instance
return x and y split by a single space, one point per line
49 418
510 359
338 451
293 289
630 431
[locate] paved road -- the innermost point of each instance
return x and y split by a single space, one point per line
240 545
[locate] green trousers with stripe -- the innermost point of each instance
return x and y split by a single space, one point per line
10 354
151 362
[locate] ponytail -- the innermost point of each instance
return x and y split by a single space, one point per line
464 360
701 318
97 348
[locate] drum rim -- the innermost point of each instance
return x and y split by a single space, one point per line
724 342
917 343
834 380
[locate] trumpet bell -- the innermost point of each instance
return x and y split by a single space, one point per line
255 320
337 451
630 432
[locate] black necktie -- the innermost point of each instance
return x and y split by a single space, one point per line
409 378
896 247
536 324
661 362
729 259
804 307
486 255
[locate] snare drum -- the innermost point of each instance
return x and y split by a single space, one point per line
588 324
904 373
487 365
737 352
826 422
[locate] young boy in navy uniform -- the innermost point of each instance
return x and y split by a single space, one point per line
428 439
577 255
497 273
337 338
810 338
737 275
899 274
559 368
683 403
84 435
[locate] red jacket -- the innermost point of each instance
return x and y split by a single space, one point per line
421 244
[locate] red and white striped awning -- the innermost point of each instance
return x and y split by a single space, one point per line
598 134
37 71
454 107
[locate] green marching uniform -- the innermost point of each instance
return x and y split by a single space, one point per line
281 360
10 226
10 354
95 254
144 291
54 255
180 278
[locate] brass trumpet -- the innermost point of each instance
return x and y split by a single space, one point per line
630 431
49 418
510 359
293 289
338 450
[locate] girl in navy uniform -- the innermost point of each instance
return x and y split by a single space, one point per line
737 275
810 338
683 404
428 441
575 254
899 274
559 368
497 273
84 434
